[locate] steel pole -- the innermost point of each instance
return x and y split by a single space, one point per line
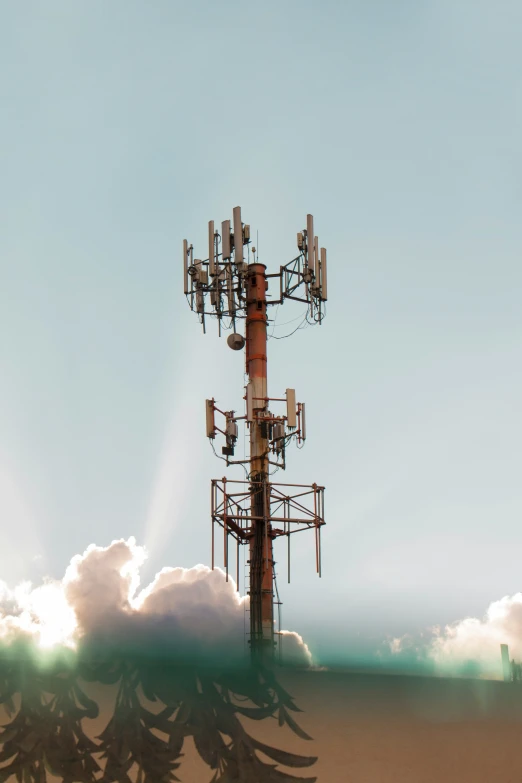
261 537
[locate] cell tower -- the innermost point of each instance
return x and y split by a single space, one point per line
255 512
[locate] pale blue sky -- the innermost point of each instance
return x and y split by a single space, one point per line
125 127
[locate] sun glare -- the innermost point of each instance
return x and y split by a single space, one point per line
171 488
47 616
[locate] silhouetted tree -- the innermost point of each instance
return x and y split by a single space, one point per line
45 732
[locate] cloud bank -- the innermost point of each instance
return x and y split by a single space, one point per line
470 645
99 598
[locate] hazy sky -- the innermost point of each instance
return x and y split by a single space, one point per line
125 127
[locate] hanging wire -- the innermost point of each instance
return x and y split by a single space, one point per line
225 459
288 440
318 317
275 321
293 320
230 325
215 452
274 471
301 326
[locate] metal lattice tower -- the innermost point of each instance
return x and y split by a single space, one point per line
257 511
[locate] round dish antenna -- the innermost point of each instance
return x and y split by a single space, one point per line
236 341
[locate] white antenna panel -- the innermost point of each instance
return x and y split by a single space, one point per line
225 240
211 426
291 418
324 287
230 290
303 422
211 248
238 238
310 241
185 267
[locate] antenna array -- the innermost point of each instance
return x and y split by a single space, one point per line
232 284
217 285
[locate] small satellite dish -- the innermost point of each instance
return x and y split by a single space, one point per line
236 341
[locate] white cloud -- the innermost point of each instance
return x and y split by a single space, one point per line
186 608
294 649
471 640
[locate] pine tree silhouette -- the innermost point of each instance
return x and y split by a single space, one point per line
45 733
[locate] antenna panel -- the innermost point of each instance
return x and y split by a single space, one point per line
316 260
238 238
303 422
324 287
211 425
211 249
230 290
290 409
185 267
310 242
226 250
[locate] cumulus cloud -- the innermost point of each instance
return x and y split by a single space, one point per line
471 642
100 599
294 649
